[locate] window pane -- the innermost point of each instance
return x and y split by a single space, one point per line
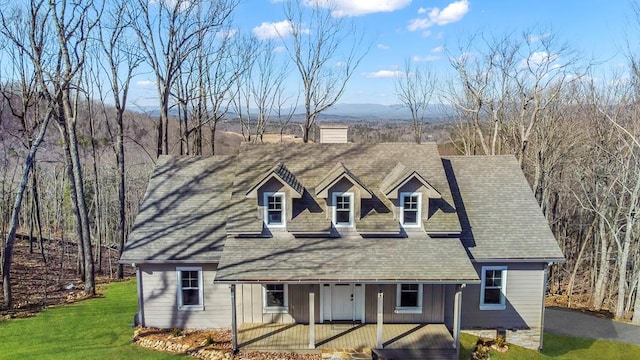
493 278
409 295
410 217
275 295
342 217
492 296
275 217
190 287
190 297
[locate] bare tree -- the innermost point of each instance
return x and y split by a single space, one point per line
316 50
415 87
168 33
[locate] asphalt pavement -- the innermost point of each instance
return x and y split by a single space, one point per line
573 323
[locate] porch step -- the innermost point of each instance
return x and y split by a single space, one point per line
415 354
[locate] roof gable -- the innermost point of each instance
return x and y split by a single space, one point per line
336 174
284 176
399 176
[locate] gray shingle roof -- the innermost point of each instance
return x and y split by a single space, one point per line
286 258
498 212
182 216
194 205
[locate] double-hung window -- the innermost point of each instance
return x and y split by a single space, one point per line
409 298
343 209
493 288
275 298
274 205
410 205
190 288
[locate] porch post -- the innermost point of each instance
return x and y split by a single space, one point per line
380 318
234 325
312 318
457 312
140 315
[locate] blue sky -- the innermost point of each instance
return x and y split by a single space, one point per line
421 30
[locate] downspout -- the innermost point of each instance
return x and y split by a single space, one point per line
140 315
544 293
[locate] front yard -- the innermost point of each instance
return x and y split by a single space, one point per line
100 329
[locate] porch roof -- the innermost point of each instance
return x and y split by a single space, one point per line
353 259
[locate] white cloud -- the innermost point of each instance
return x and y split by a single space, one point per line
383 46
383 74
437 49
145 83
358 7
451 13
279 49
226 34
422 10
427 58
539 58
274 30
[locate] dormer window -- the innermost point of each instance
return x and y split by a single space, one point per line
274 207
410 209
343 209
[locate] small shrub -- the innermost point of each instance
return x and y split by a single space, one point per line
500 341
176 332
210 340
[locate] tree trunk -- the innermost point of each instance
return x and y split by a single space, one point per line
13 226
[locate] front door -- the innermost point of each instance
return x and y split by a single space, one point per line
342 302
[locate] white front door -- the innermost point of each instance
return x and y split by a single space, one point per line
342 302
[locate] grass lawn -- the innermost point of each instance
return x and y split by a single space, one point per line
100 329
93 329
560 347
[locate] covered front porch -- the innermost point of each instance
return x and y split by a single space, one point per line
280 336
401 341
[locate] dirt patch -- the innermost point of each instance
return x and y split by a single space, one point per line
37 284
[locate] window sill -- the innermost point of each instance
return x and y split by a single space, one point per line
408 310
492 307
191 308
275 310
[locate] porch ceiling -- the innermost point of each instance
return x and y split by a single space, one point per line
352 259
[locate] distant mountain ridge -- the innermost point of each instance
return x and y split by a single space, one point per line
435 112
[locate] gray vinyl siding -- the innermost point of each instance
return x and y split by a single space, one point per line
250 309
523 300
160 299
432 305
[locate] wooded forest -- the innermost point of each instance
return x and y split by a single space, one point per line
76 153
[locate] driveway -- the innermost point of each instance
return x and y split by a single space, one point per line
572 323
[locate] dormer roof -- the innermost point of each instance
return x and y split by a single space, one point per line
284 176
336 174
399 176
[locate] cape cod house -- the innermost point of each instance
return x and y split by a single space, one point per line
315 234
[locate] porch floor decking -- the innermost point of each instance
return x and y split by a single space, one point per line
279 336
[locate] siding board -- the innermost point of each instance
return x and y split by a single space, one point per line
523 300
160 299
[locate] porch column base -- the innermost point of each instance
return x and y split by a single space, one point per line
380 319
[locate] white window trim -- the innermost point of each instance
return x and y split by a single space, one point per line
275 309
335 207
408 309
266 209
419 213
503 289
181 306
